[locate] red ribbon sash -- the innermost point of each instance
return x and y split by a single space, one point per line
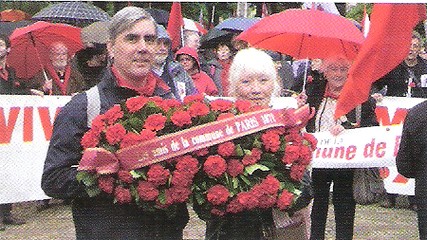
192 139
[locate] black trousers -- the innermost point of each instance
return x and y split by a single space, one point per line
342 198
5 210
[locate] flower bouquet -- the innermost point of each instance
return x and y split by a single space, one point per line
228 157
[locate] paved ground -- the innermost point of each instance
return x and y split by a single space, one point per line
372 223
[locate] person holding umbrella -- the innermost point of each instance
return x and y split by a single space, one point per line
323 95
8 85
132 47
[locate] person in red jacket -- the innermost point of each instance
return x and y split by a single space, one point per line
190 61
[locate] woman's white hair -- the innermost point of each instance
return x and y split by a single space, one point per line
254 61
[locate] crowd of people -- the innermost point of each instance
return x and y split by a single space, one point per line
138 60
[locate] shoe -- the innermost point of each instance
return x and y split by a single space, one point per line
42 207
13 221
413 207
387 204
2 226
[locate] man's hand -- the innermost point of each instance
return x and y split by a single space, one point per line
47 86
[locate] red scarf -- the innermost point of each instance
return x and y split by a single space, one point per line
146 90
54 75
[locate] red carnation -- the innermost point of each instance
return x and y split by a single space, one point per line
178 194
218 194
226 149
194 98
115 133
122 195
155 122
294 137
305 155
106 184
215 166
247 200
221 105
267 201
225 116
234 167
98 124
217 212
147 191
181 118
252 158
169 103
291 154
125 176
271 141
187 164
157 100
113 114
285 200
146 134
255 108
297 172
243 106
136 103
234 206
158 175
198 109
130 139
270 185
90 139
311 139
182 179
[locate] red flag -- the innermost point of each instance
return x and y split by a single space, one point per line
386 46
175 24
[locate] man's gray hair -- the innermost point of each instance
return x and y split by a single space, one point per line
126 18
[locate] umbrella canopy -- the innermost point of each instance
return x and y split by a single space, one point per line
237 24
75 13
160 16
305 34
194 26
30 45
214 37
96 32
14 15
7 28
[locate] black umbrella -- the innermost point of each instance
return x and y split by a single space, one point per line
75 13
160 16
6 28
216 36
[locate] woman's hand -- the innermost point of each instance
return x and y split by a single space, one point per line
337 129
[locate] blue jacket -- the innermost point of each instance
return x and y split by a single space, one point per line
99 218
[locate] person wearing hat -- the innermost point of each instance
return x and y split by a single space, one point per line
170 71
190 61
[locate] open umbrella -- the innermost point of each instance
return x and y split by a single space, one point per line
237 24
14 15
75 13
305 34
30 45
160 16
96 32
225 31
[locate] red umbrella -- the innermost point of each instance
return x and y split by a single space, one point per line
305 34
30 45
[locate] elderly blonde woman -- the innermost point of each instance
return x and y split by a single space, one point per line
253 77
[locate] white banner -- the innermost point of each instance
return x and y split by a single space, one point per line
26 128
25 131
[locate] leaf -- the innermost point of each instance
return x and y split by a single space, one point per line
162 197
200 198
138 174
210 117
245 179
268 164
135 123
257 143
93 191
252 168
239 151
235 182
88 179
